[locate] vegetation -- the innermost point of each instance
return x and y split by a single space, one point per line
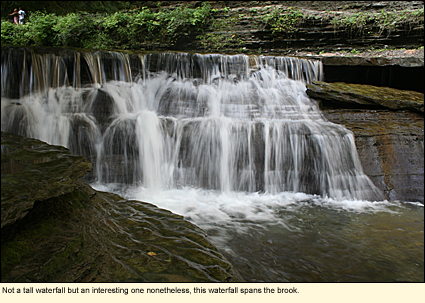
122 29
221 31
284 20
130 25
65 7
288 20
385 21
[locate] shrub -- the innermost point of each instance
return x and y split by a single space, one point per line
73 30
283 20
40 29
12 34
122 29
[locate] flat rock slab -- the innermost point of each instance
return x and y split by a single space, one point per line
360 95
368 57
376 61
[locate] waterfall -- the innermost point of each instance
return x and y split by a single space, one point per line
173 120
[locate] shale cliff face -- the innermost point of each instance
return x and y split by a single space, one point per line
56 228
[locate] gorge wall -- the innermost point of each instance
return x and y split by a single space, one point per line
343 34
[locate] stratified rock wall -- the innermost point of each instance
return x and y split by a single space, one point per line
324 25
356 95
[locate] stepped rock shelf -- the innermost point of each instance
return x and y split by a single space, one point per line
406 129
235 146
367 95
56 228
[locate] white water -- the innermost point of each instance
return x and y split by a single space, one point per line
228 123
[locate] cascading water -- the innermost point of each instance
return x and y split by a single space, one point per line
232 142
230 123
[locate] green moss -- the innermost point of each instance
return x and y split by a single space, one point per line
23 245
78 199
71 253
220 33
12 254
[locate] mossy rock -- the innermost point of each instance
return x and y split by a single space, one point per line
25 161
361 96
56 228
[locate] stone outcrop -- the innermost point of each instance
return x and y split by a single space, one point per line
26 160
56 228
358 95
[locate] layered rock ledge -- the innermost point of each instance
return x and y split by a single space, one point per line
56 228
348 94
388 126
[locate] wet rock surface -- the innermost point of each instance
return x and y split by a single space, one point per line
61 230
357 95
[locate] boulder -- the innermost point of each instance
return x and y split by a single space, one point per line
361 96
56 228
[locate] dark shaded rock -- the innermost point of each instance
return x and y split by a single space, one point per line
102 107
390 148
399 77
65 231
25 160
365 95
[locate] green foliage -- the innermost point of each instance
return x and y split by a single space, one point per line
384 21
40 29
183 21
62 8
121 29
389 21
73 30
283 20
13 35
355 23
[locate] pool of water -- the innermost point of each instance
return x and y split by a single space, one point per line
295 237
